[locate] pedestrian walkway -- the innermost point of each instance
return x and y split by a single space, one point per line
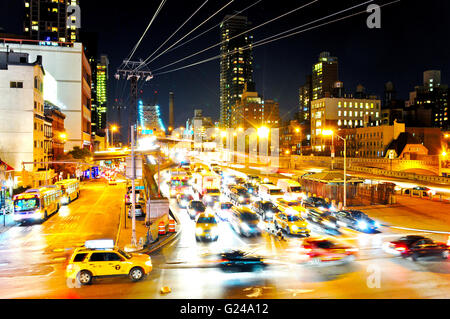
146 238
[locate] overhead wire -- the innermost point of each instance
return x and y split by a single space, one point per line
198 26
237 35
148 27
215 26
149 57
266 40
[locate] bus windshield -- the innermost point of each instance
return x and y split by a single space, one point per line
21 205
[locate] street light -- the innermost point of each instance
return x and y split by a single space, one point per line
263 131
332 134
114 128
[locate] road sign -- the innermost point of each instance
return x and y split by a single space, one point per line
138 167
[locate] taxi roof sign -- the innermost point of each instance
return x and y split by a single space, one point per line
99 244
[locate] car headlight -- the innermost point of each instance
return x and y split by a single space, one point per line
261 225
148 263
214 232
245 227
184 203
69 267
362 225
333 209
241 199
376 224
198 231
295 228
322 208
269 214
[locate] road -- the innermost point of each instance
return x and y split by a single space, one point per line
32 262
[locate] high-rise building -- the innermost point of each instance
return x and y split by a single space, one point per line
324 75
433 98
48 20
171 117
149 117
99 111
235 65
305 98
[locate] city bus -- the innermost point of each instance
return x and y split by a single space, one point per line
70 190
37 204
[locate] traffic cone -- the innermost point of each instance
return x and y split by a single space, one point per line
161 229
171 226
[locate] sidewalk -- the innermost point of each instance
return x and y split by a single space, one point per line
125 232
6 222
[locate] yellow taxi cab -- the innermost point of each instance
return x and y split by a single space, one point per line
291 223
206 227
285 204
99 258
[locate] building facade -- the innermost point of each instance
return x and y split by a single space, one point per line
22 120
341 113
71 71
251 110
236 67
59 135
48 20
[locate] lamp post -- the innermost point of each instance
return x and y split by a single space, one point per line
328 133
114 128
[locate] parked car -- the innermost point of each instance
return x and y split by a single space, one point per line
138 212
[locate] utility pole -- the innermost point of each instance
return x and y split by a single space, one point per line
133 71
133 190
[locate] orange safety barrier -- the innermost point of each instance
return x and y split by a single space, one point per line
161 229
171 226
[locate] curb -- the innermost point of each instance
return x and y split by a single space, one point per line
160 244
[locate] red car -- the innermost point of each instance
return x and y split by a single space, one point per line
417 246
321 250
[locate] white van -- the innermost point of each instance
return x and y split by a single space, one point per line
270 192
291 188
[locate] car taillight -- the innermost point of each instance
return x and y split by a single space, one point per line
400 248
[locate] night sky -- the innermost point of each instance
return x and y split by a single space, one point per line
414 37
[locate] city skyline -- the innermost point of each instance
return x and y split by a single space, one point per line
357 58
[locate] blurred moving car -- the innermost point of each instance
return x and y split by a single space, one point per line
252 189
245 222
223 210
291 223
265 209
105 260
206 227
284 204
138 211
195 207
254 179
319 203
239 195
270 192
323 218
356 219
415 246
240 261
211 196
321 250
112 181
184 199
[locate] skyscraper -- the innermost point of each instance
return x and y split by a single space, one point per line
101 88
171 119
324 75
235 65
47 20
